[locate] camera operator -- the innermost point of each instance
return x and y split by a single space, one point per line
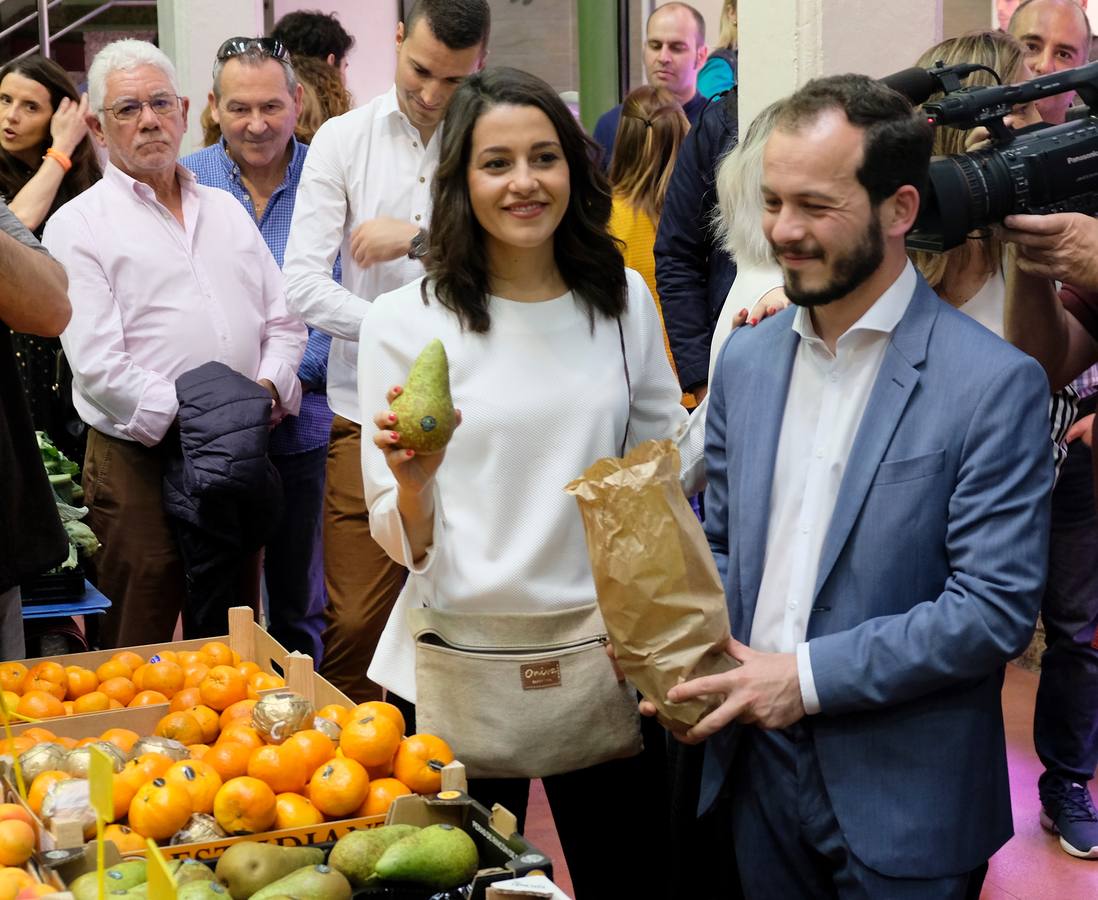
1063 337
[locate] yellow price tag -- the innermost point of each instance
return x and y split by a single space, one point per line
161 882
101 784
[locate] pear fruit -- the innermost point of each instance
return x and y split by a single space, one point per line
425 410
202 890
439 857
120 877
191 870
356 853
248 867
314 882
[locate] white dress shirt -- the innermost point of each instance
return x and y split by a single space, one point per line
823 409
152 299
363 165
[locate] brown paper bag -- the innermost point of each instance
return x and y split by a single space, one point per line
656 580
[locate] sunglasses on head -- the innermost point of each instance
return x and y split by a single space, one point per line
235 46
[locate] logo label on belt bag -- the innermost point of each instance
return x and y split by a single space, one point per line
543 674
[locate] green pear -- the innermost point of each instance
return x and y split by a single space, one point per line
425 410
190 870
356 853
120 877
201 890
439 856
313 882
248 867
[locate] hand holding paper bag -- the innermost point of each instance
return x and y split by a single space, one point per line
656 581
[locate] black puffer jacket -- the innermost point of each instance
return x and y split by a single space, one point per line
221 491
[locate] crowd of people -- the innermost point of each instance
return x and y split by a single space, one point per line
896 444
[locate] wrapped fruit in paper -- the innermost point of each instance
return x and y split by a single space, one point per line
77 761
328 727
162 745
276 716
200 828
41 758
69 801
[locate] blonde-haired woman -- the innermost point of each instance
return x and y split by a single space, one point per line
719 72
650 133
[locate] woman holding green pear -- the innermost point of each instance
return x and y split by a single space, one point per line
556 359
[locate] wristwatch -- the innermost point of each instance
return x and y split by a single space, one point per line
417 249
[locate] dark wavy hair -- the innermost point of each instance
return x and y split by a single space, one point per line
14 173
586 255
310 32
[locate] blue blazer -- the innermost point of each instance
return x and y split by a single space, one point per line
930 576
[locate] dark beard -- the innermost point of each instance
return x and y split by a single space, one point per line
849 272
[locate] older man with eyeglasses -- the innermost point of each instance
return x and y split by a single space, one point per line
165 275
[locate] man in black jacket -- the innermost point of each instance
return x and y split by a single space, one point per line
33 300
693 271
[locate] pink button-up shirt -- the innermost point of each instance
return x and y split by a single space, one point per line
153 299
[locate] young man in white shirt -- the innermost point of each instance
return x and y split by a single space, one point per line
366 191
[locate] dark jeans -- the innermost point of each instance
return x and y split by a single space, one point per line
788 840
294 562
1065 719
612 819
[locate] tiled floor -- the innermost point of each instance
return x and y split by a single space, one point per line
1030 867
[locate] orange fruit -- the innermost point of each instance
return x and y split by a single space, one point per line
185 699
145 768
17 841
316 747
12 675
228 758
245 805
129 658
419 762
125 839
122 738
335 712
370 740
239 733
190 658
165 677
197 778
295 811
223 687
96 701
48 677
16 745
116 705
159 809
41 784
79 681
380 708
40 705
381 795
241 710
35 890
83 742
39 734
281 766
119 687
67 742
194 675
218 653
385 770
339 787
138 676
208 719
15 811
113 668
164 656
180 726
264 681
147 698
197 751
249 668
123 791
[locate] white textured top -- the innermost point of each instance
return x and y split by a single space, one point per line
363 165
827 396
542 397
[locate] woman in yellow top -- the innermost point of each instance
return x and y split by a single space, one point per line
651 130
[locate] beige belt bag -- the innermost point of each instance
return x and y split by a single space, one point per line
522 695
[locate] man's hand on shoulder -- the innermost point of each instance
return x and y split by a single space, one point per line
1060 246
380 240
765 690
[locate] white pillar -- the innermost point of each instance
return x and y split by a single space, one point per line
784 43
190 33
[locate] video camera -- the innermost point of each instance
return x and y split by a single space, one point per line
1042 169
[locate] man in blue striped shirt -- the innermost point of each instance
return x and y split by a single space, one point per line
256 101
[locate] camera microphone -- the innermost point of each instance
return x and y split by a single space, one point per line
918 84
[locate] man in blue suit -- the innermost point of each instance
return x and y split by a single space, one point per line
879 478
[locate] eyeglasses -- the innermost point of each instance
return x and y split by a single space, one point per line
235 46
128 110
